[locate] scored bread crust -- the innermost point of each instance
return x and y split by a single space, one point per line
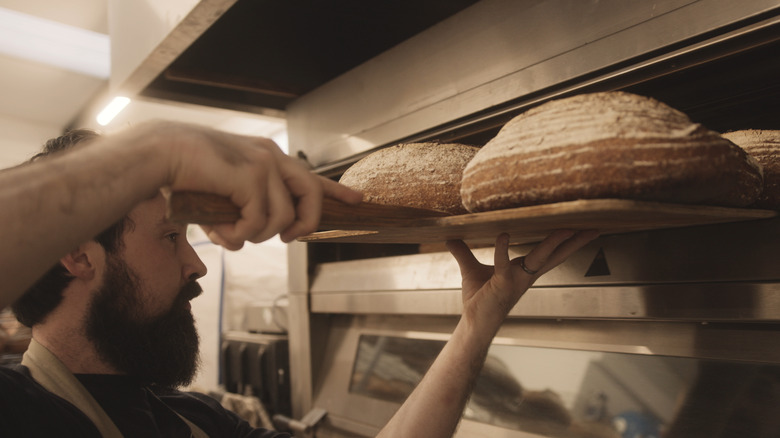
607 145
764 146
420 175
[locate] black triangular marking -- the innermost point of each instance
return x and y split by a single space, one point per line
598 266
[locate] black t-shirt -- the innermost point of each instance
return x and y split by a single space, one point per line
29 410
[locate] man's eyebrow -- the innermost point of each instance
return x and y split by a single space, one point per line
164 222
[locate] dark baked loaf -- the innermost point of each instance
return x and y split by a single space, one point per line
764 146
420 175
608 145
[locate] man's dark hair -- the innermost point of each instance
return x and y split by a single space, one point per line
46 294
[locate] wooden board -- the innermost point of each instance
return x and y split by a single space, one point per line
372 223
209 209
532 224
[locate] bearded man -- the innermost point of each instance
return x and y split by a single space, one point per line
115 313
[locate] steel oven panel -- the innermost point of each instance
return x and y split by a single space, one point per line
715 273
496 52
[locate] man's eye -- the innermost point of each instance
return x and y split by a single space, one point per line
172 237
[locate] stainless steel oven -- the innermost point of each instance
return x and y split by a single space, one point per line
653 332
657 333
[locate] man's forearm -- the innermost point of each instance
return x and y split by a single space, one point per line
49 208
436 405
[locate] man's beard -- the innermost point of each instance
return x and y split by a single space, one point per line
162 350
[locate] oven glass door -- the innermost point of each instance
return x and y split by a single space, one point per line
556 392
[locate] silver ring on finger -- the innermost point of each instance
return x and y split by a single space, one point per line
526 268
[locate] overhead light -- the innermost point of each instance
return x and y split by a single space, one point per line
49 42
112 109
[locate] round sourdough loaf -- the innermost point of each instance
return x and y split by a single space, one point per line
764 146
608 145
420 175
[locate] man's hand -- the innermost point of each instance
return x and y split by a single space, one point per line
276 193
490 292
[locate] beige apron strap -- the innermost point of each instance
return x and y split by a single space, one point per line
196 431
52 374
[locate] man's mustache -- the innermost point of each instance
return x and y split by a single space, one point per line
190 291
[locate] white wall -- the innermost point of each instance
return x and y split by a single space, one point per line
236 280
21 139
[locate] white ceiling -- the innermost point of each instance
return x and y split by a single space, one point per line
37 92
86 14
41 94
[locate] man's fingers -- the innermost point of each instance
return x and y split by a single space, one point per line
215 233
556 248
569 247
308 211
264 213
233 235
253 223
280 212
464 257
334 190
307 192
276 193
537 258
501 254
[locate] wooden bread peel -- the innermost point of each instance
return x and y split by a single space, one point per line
373 223
209 209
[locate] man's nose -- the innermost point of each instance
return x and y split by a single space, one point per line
194 267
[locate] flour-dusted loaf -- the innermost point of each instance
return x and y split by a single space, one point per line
420 175
608 145
764 146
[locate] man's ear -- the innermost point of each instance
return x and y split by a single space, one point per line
83 262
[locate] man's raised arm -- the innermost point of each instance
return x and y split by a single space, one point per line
49 207
435 407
